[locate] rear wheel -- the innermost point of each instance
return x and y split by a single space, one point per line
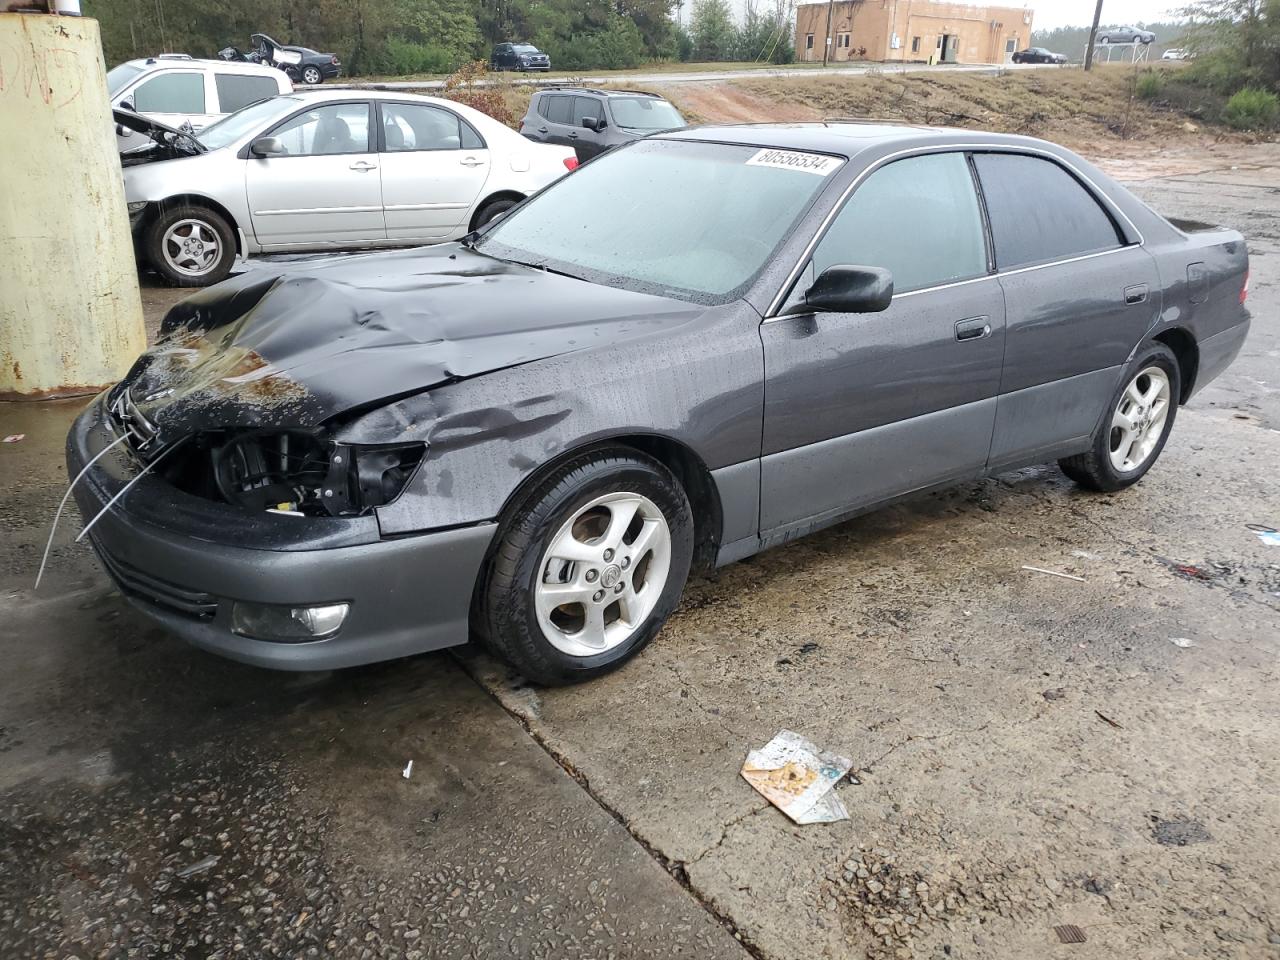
492 210
588 567
1133 435
311 75
190 246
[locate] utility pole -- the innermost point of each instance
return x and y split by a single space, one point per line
1093 32
826 47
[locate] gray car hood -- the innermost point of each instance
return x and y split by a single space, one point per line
299 346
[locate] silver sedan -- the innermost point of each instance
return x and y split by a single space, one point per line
325 171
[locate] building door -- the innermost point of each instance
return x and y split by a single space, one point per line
1010 48
949 48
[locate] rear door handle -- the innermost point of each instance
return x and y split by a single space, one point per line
975 328
471 162
364 165
1135 294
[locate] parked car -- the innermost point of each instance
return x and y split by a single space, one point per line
518 56
324 171
1176 53
593 121
174 89
534 435
1125 35
1038 55
302 64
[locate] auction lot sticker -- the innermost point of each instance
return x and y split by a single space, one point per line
795 160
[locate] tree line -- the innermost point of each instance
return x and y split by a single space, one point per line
397 37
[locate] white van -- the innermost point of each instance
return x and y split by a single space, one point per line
175 88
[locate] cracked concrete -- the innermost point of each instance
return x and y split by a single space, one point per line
991 803
967 692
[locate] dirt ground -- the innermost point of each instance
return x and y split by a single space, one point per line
1029 751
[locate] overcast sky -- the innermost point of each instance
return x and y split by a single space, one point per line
1058 13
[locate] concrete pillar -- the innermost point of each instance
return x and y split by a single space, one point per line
70 312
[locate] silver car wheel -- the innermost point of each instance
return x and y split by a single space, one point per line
191 247
602 574
311 76
1139 418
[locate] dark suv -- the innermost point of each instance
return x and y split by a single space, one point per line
518 56
592 121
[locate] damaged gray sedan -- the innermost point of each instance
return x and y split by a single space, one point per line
696 347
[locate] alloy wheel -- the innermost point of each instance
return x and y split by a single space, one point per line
311 76
1139 418
191 247
602 574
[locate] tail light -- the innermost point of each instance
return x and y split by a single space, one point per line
1244 290
334 60
571 163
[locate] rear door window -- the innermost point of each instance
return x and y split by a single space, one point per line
558 109
1039 212
171 93
237 91
919 218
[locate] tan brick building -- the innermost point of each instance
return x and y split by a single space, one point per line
912 31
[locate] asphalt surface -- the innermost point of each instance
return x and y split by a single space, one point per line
1030 751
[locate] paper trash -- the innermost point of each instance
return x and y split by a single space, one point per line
797 778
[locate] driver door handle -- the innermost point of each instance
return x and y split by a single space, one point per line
542 129
975 328
364 165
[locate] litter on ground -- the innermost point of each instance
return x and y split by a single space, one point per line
408 770
1183 642
14 438
1054 573
798 778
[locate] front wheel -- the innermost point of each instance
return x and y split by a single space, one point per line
588 566
190 246
1130 439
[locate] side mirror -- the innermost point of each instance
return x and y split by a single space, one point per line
593 123
267 147
848 289
127 104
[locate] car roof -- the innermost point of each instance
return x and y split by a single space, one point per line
844 137
182 62
599 92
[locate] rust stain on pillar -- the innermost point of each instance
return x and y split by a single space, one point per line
70 311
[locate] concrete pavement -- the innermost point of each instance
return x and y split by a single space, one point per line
1030 751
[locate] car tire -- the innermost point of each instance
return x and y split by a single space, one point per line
1118 459
312 76
579 508
205 260
1106 40
492 210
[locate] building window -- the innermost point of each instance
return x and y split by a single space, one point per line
1011 45
808 41
843 41
915 44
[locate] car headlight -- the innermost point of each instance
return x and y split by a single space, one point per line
137 206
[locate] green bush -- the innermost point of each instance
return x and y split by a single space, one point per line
618 46
1149 85
401 57
1251 109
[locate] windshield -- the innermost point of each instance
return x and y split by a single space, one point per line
525 48
236 125
119 77
693 221
644 113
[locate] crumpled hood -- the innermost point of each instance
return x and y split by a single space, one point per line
300 345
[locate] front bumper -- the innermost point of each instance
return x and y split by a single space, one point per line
183 561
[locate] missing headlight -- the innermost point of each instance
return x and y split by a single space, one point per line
295 471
